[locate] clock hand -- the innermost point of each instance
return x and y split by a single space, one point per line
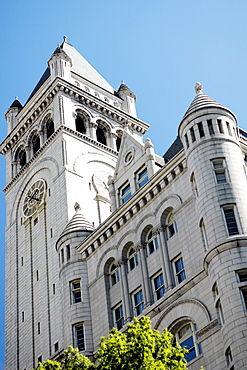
33 198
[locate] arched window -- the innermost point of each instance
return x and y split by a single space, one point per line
21 158
171 225
203 234
80 124
186 337
132 259
100 135
194 186
49 128
152 242
114 274
35 143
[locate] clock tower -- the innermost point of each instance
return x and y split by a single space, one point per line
62 146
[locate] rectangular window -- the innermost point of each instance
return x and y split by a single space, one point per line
186 140
54 288
242 276
125 193
230 220
179 270
228 128
219 122
22 316
75 287
141 177
40 359
219 166
38 327
118 317
78 334
62 255
138 303
192 135
56 347
210 127
243 292
200 129
158 286
68 252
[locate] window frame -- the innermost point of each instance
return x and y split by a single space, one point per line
178 273
152 242
138 306
157 289
189 334
133 260
171 225
141 180
75 290
221 171
118 321
124 192
75 329
224 209
114 273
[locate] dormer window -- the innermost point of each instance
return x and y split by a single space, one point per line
125 193
141 177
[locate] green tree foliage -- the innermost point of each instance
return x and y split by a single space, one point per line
140 348
71 360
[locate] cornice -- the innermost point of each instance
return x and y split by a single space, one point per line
79 95
156 184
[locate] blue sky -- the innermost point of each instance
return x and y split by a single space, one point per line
160 49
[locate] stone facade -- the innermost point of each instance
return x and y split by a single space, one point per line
117 231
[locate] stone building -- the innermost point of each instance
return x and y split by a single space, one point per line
101 229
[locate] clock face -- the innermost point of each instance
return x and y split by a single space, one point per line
34 198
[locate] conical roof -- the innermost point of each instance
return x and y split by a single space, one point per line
16 104
123 88
78 223
202 101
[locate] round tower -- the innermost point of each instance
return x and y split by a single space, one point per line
217 172
60 63
74 285
11 114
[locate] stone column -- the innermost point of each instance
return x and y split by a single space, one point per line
167 262
28 152
125 290
43 136
92 128
108 139
14 166
145 278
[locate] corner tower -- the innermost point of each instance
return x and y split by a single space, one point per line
217 172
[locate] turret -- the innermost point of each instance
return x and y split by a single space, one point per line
216 168
209 134
128 98
60 64
11 114
74 283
